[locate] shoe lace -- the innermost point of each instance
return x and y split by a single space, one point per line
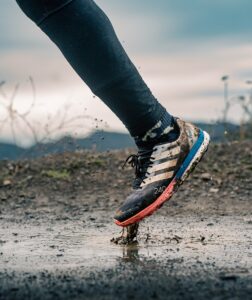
140 161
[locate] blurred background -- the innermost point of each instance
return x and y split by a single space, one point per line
194 55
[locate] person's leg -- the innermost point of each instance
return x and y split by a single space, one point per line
169 149
87 39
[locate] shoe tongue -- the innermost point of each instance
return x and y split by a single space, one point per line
144 146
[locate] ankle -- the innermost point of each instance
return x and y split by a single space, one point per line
166 129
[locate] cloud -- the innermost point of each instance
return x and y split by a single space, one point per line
146 26
191 20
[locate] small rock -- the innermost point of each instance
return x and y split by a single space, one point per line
7 182
206 176
210 224
213 190
228 277
202 238
10 167
28 178
218 181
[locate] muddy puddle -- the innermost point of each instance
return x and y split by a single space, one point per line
38 245
174 258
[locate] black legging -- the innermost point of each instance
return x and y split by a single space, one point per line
87 39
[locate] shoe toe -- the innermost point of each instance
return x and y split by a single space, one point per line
130 207
136 202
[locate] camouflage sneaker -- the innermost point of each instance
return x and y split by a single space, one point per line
160 169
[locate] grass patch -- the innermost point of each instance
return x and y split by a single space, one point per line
63 174
98 162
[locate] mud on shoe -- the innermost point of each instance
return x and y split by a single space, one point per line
160 170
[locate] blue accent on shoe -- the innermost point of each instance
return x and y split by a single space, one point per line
191 155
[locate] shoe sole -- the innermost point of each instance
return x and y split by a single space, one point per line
193 158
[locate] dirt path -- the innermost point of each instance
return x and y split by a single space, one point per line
56 226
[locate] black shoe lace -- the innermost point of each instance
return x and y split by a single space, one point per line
140 161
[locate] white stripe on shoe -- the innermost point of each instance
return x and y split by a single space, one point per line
165 165
166 154
166 175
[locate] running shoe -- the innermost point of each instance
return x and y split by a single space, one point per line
160 170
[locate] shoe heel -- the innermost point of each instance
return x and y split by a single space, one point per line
202 148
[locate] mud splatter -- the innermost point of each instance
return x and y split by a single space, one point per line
128 236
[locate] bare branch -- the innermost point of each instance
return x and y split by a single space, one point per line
22 120
33 97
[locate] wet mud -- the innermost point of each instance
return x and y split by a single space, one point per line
173 258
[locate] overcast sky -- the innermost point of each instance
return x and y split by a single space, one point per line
182 48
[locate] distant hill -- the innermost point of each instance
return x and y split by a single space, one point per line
100 141
219 132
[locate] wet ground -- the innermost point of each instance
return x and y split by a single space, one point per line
175 258
56 229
